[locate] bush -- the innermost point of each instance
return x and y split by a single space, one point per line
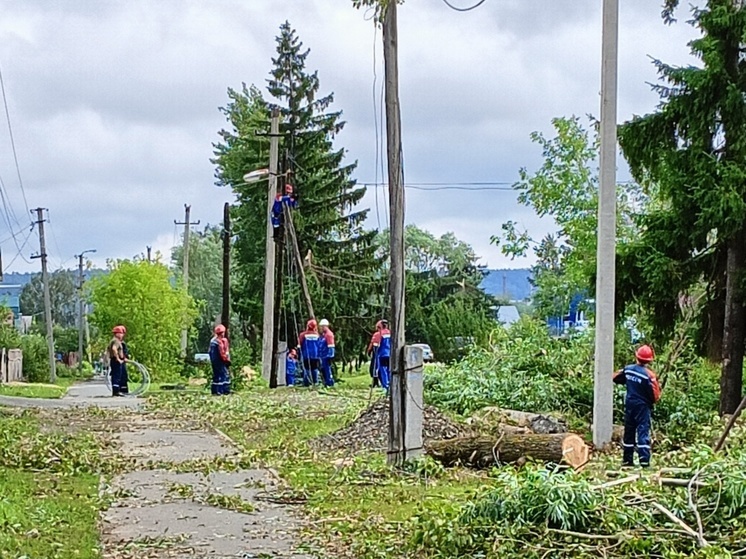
35 358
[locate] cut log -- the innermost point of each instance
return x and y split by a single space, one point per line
483 452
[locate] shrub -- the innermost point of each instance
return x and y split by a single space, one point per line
35 358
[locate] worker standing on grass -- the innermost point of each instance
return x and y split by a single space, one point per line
381 350
291 365
326 352
220 358
308 341
117 360
643 391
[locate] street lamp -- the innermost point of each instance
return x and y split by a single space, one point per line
256 176
80 305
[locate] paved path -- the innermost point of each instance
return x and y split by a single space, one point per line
90 393
163 513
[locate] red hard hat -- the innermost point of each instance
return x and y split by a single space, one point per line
288 188
219 329
645 353
311 324
119 330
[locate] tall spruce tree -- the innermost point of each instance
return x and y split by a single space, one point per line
692 155
342 265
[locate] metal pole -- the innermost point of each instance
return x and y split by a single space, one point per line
268 327
80 312
225 314
606 250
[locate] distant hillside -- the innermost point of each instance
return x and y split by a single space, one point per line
17 278
517 285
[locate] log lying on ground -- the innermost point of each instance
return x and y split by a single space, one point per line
483 452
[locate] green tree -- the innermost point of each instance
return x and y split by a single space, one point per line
691 155
565 188
143 297
62 294
342 264
445 306
205 278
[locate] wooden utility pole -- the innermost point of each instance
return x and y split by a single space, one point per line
225 313
396 208
81 311
268 328
603 393
47 300
298 261
185 268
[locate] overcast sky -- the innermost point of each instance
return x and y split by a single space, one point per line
114 105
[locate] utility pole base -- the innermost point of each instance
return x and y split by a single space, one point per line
407 404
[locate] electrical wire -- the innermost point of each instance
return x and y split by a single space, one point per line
12 141
56 244
467 9
20 251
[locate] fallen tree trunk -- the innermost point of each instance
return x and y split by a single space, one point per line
482 452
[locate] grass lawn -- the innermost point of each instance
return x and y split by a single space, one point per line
48 490
36 390
48 515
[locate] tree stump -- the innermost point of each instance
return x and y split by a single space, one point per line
483 451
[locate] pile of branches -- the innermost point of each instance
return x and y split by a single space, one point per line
697 509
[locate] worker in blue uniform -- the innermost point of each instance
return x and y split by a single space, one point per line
287 199
381 343
308 341
291 365
326 352
643 391
220 358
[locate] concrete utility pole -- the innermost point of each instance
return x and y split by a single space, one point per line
225 314
149 257
185 267
606 252
81 312
47 301
397 421
268 328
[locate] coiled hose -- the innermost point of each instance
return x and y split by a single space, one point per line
144 383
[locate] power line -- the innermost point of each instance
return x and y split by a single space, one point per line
12 141
467 9
20 250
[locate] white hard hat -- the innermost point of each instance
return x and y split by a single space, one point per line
324 322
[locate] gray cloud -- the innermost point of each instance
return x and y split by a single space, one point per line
115 104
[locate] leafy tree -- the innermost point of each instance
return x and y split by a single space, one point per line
143 298
62 293
691 155
445 308
342 265
565 188
205 278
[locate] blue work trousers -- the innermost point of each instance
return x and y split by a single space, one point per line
310 372
636 433
384 371
326 371
221 382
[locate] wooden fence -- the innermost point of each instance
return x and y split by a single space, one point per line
11 365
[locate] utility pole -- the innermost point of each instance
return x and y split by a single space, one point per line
606 251
396 209
268 327
185 268
149 258
47 301
81 312
225 314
